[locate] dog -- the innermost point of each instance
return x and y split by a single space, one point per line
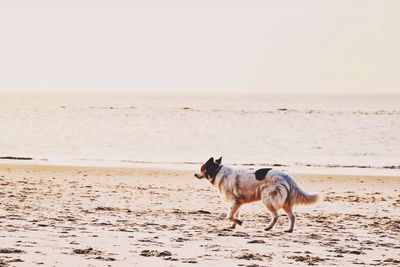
274 188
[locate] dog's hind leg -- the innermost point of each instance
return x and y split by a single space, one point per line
291 216
273 200
232 214
273 221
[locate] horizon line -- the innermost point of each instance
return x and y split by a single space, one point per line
151 92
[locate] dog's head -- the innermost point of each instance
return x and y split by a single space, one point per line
209 169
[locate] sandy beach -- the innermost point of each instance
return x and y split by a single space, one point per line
91 216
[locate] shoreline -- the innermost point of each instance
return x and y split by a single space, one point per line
191 167
144 173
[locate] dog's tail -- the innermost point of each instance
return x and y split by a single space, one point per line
299 196
303 198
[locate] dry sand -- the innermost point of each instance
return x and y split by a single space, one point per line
81 216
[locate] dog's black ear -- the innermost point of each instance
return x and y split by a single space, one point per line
219 160
211 160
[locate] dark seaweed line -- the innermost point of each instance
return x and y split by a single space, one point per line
16 158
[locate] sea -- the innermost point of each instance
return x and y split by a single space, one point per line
338 133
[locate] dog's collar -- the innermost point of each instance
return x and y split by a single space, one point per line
215 174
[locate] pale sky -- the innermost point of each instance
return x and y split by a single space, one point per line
320 46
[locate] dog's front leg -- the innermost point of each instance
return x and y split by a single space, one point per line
234 210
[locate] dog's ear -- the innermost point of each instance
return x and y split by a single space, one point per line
211 160
219 160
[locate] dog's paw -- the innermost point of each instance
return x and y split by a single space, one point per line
289 231
238 222
267 228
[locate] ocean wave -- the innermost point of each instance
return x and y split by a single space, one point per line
305 111
282 110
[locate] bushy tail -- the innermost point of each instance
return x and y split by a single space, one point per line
298 195
303 198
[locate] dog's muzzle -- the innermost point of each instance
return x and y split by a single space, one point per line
198 176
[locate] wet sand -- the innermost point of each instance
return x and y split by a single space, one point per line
82 216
